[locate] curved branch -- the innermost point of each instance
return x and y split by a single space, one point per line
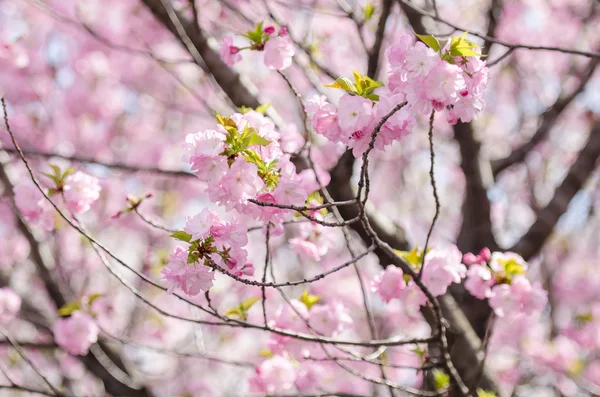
547 218
197 43
547 122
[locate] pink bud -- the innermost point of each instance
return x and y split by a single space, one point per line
283 31
485 254
233 49
269 29
464 93
470 259
248 269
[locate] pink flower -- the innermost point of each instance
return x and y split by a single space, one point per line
232 234
197 278
412 297
305 249
291 318
191 278
76 333
209 169
420 60
10 304
207 143
518 298
199 225
33 205
443 83
390 283
290 192
309 377
354 113
80 191
229 53
324 118
502 301
239 184
443 268
330 319
532 298
471 259
270 29
396 54
399 125
279 52
479 281
274 375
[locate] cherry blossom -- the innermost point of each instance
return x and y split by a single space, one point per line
10 304
76 333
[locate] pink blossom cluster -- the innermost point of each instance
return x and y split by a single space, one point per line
211 242
424 78
76 333
429 82
354 120
33 205
500 277
242 160
278 374
278 48
313 240
440 269
78 191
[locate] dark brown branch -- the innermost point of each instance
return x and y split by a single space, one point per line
421 12
546 219
226 77
476 230
548 120
375 52
493 14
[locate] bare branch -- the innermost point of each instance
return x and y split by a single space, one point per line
546 218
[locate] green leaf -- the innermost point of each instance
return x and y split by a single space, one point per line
369 10
431 42
182 236
465 52
414 257
441 380
255 35
262 109
69 308
247 304
463 47
233 312
343 83
265 353
225 121
485 393
255 139
93 297
309 300
244 109
68 172
56 170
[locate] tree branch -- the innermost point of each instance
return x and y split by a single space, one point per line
375 52
548 120
196 41
546 219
